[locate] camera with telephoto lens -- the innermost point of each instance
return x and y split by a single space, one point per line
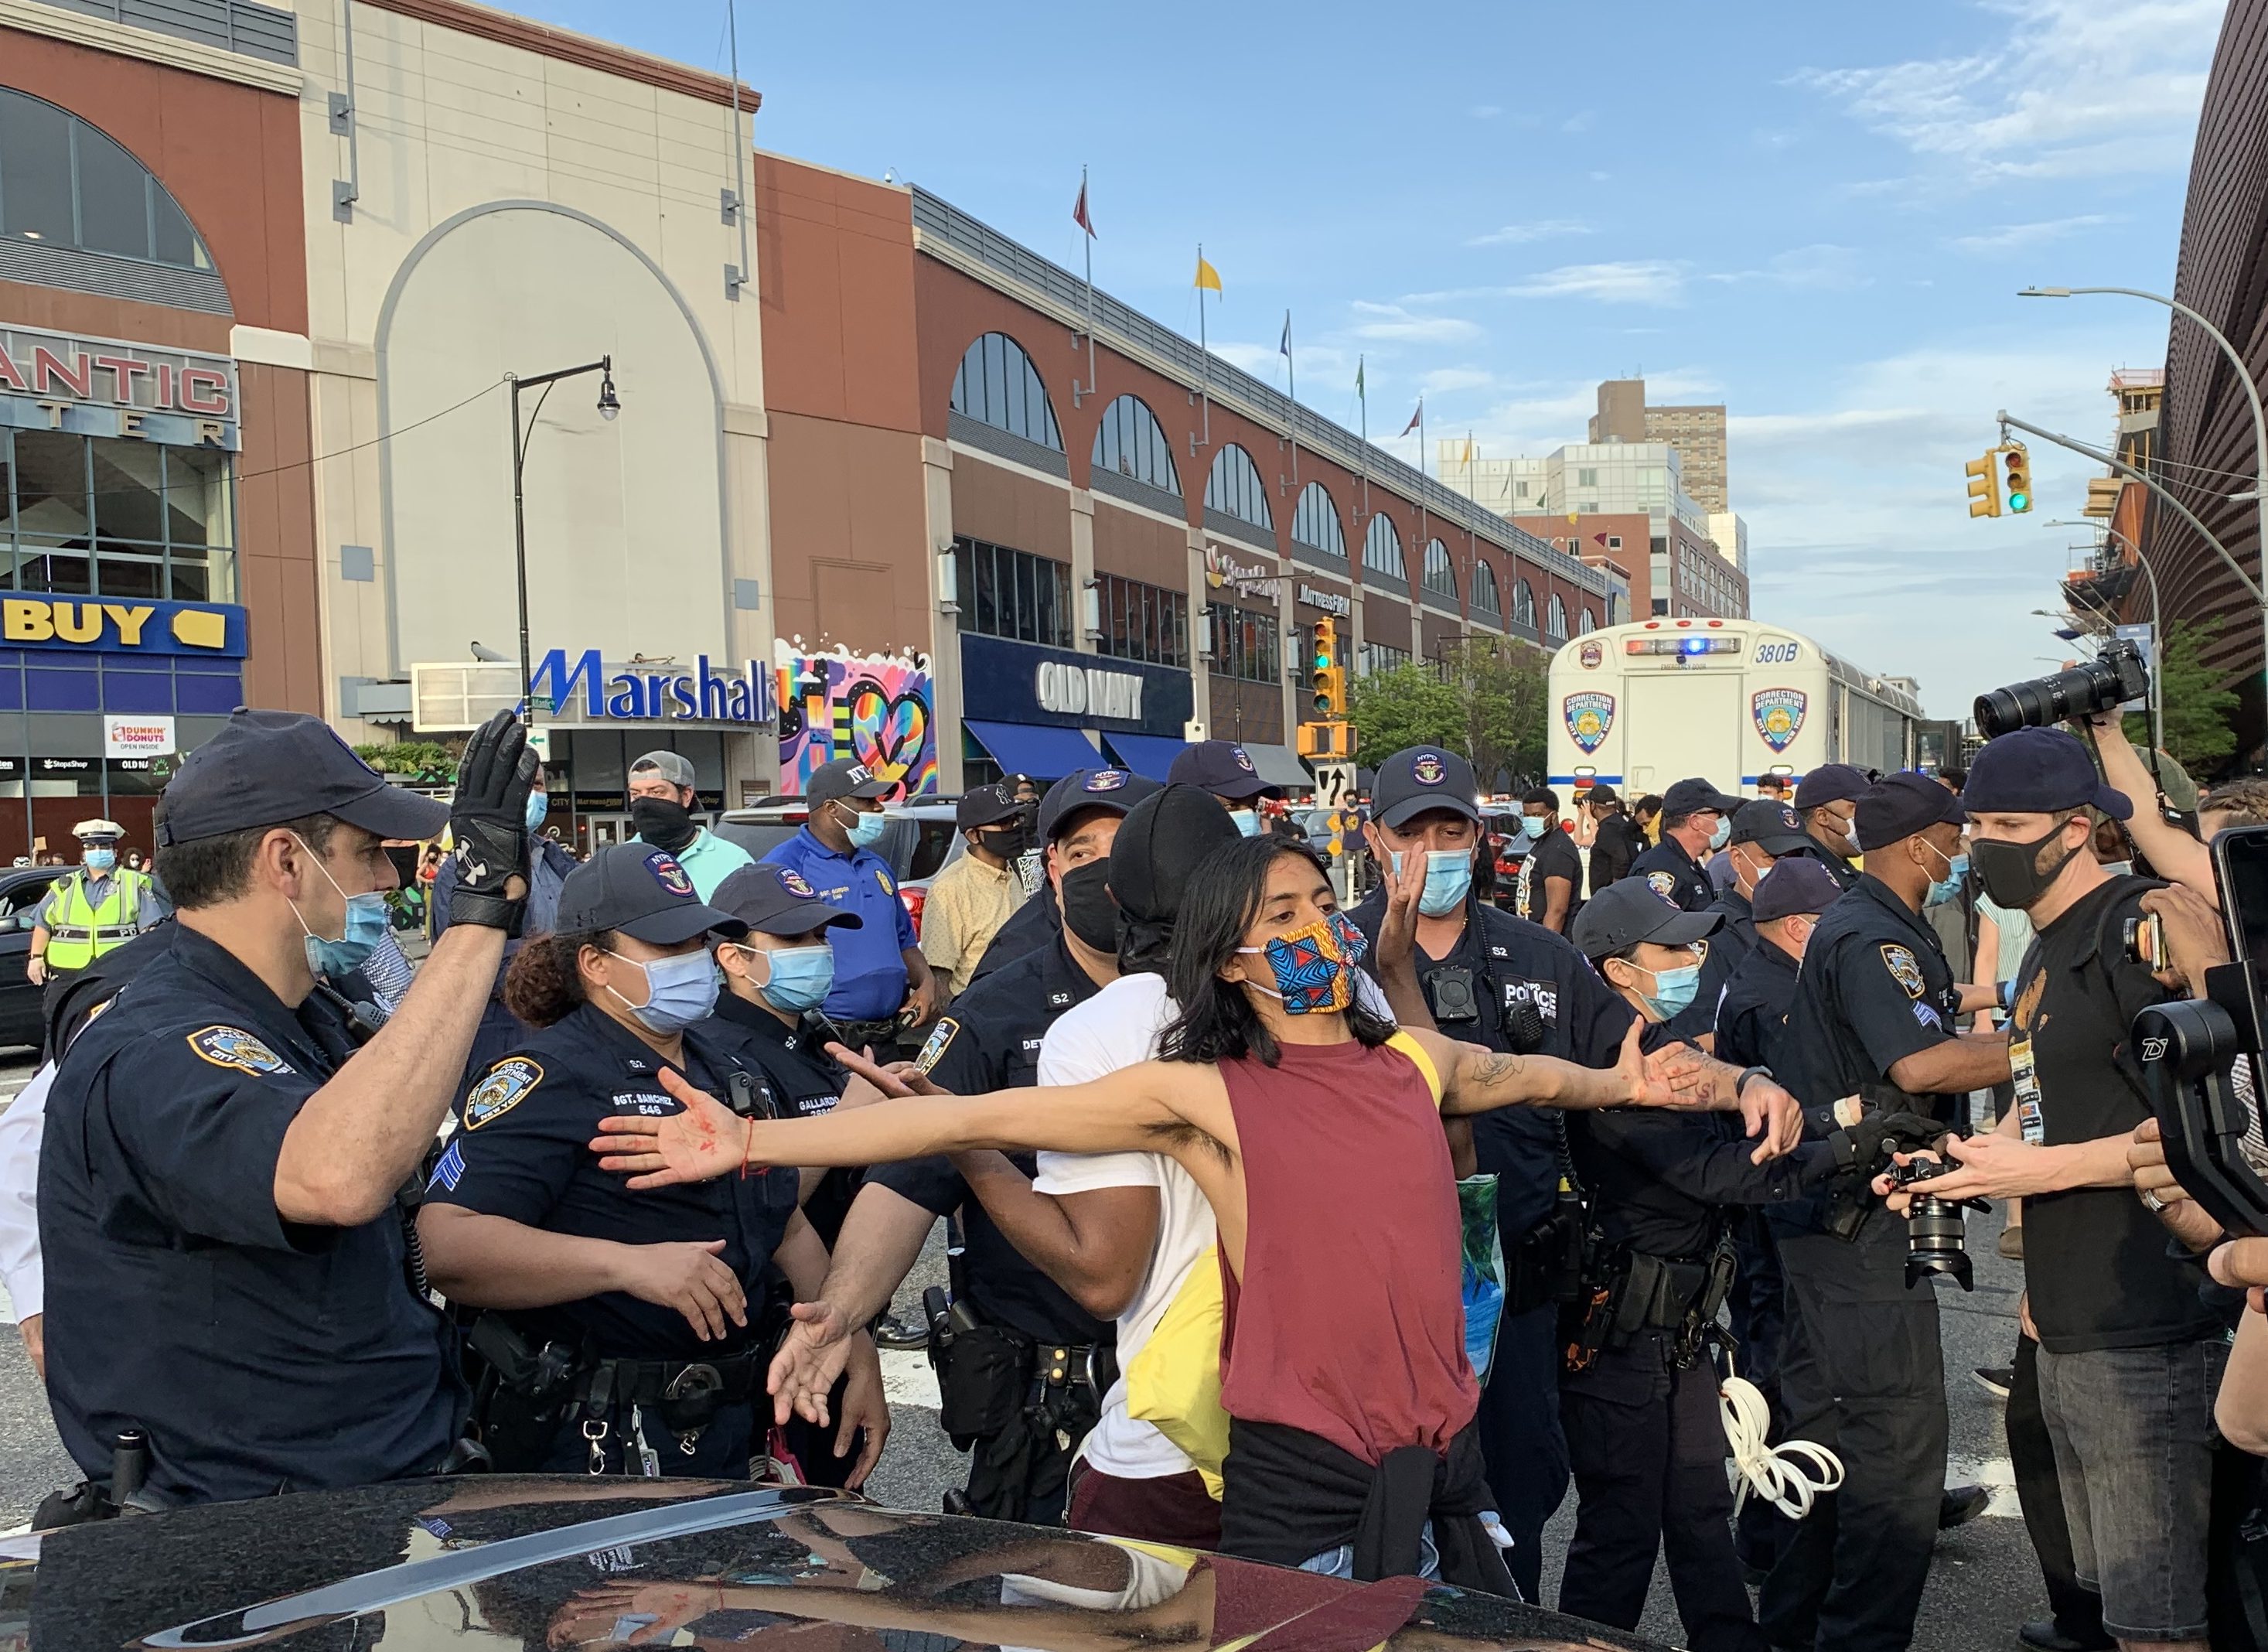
1867 1146
2115 677
1934 1229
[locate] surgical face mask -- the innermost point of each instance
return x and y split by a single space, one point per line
101 859
539 805
1248 821
679 990
864 825
1313 965
2118 868
1673 990
2010 872
1948 887
1723 835
1535 826
366 924
1448 879
800 978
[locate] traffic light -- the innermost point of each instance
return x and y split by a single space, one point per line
2020 477
1983 486
1326 678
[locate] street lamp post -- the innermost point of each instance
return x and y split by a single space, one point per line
2259 432
608 405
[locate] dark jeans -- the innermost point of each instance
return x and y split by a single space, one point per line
1520 1438
1861 1375
1648 1450
2078 1609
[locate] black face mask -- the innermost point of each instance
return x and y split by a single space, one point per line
663 822
1088 910
2010 872
1007 842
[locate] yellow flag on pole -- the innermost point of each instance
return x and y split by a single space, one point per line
1207 276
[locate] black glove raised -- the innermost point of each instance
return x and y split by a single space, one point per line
488 822
1863 1147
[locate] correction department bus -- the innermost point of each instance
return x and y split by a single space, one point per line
1638 706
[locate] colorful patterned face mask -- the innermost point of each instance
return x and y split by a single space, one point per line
1313 965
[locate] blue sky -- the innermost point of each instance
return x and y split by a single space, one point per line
1818 214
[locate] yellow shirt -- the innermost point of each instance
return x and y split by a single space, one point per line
968 903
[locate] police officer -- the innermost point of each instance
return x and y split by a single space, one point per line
1639 1396
1873 1019
881 980
1695 818
1225 769
1022 1368
1827 798
1615 841
1761 832
96 908
1752 1011
227 1267
663 798
549 865
623 1332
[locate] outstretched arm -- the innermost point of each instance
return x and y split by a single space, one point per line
1475 1079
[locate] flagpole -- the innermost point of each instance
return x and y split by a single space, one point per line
1362 394
1292 420
1205 355
1089 239
1425 522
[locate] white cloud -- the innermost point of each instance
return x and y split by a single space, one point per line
1658 281
1392 322
1521 234
1580 121
2074 89
1442 381
1822 268
1486 111
2011 238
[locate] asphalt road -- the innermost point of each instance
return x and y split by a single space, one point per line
1984 1582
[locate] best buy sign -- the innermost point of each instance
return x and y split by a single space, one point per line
106 625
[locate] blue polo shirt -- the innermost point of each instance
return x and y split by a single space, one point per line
870 965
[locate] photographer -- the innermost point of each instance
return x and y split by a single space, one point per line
2129 1356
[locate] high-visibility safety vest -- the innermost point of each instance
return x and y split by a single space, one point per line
81 930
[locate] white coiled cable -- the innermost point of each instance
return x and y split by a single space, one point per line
1789 1476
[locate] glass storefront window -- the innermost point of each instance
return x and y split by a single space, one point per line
105 517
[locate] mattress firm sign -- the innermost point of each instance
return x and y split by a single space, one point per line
103 387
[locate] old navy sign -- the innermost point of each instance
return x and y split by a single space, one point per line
702 695
101 386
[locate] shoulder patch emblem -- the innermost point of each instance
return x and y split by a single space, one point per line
449 1169
234 1048
1664 884
1905 969
940 1040
506 1085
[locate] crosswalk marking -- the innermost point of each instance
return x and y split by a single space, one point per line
908 1380
1996 1475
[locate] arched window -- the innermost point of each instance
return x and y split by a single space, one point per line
1588 624
1316 523
1484 596
63 183
1558 618
1381 549
1441 574
997 385
1131 443
1523 605
1234 489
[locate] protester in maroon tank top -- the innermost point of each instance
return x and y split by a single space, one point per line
1320 1146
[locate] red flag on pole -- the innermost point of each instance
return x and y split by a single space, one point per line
1078 212
1414 417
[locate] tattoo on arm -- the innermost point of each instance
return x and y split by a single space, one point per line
1494 1068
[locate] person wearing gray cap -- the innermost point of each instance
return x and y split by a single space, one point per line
663 798
1695 818
228 1269
651 1317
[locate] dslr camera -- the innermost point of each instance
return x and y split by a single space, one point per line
1935 1230
2112 678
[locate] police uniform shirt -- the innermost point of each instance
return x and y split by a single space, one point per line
1729 950
870 965
1514 962
258 1354
1657 1179
1752 1015
1839 866
991 1041
808 1082
1036 924
1553 855
1672 874
524 1154
2099 1268
1875 988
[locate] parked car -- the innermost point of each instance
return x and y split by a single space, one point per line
920 841
22 889
490 1563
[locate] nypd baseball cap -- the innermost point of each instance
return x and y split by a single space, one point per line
1628 912
2039 771
1113 790
1223 768
1690 797
777 901
642 892
845 777
265 767
1772 827
1830 783
1899 805
1420 778
1797 884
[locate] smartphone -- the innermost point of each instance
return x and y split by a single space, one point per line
2240 868
2146 940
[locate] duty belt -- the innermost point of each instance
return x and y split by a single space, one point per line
728 1381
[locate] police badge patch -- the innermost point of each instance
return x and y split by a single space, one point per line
1905 969
507 1085
940 1040
234 1048
1663 884
1778 716
792 882
1429 771
1589 716
668 873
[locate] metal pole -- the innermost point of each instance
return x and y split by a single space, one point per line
520 553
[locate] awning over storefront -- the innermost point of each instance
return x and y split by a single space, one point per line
1278 766
1039 749
1150 755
